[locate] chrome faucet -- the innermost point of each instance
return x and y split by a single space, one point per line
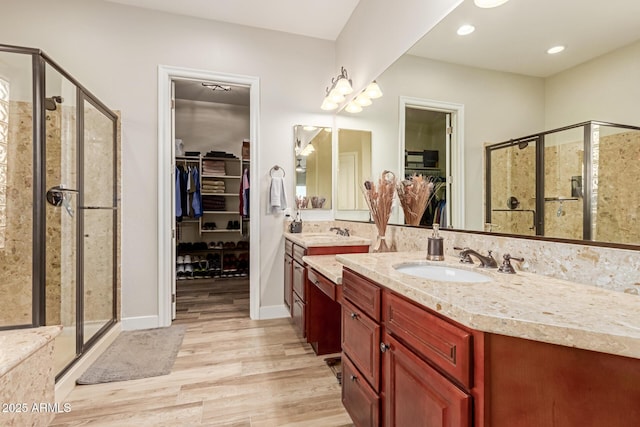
340 231
486 261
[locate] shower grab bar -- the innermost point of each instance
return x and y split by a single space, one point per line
533 212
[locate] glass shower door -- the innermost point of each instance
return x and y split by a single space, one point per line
98 217
61 213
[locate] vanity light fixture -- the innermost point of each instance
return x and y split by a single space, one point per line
308 149
340 86
363 100
299 167
353 107
487 4
555 49
373 90
465 30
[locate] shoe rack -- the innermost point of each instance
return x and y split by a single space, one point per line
201 260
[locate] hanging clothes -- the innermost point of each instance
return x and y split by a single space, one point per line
244 194
178 195
196 202
184 178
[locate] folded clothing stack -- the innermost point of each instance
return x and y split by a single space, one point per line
212 186
222 154
213 167
213 203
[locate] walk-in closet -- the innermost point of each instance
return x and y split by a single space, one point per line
211 123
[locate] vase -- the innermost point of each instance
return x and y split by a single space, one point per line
381 245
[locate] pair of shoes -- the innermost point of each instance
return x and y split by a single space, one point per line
180 272
233 225
209 226
242 245
229 245
183 259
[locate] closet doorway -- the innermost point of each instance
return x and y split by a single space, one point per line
207 143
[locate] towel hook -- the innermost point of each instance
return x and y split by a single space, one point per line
277 168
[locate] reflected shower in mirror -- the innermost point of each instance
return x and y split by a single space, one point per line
313 151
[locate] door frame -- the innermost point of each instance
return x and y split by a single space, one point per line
455 182
166 154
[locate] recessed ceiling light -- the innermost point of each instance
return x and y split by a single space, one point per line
555 49
486 4
465 30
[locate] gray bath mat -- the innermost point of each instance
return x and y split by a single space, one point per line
136 354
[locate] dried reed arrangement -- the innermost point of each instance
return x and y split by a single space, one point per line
415 194
379 201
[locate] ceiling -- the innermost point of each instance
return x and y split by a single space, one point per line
194 90
322 19
515 37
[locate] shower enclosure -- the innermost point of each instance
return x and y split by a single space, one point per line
58 204
569 183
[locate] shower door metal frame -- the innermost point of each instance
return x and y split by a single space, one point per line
39 61
540 137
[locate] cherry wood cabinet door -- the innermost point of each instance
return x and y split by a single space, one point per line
415 394
298 314
288 282
360 401
361 342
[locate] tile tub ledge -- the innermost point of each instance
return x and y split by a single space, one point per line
19 344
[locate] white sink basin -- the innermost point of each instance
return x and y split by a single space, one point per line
442 273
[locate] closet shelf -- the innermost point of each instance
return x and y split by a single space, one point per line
219 194
221 212
235 230
222 176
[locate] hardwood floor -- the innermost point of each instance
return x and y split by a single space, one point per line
230 371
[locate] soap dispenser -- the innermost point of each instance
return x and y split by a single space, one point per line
435 248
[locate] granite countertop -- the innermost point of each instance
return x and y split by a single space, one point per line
523 305
327 265
310 240
18 344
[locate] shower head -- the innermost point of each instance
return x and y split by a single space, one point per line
52 103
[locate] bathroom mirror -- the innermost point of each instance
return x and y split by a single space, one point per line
314 159
595 78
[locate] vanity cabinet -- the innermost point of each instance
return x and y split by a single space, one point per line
312 298
403 364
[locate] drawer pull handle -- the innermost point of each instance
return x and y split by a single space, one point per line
353 378
354 316
317 283
384 347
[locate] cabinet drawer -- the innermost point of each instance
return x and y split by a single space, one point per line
299 279
360 401
444 344
363 293
288 247
298 253
322 283
361 342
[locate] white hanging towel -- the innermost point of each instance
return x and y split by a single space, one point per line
277 195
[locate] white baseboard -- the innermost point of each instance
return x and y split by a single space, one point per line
273 312
68 381
140 322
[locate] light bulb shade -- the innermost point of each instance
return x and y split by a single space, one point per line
327 105
486 4
363 100
335 96
343 86
373 90
353 107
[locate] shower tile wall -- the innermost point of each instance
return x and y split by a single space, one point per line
513 174
618 188
15 253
